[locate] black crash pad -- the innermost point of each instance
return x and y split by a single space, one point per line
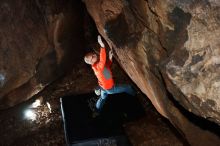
83 127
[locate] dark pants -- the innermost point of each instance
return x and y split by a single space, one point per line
114 90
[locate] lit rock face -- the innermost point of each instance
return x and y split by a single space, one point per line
168 46
37 42
194 67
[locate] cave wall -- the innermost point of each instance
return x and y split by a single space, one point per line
38 44
166 47
163 45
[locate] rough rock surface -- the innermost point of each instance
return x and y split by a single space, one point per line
168 46
165 46
194 67
37 44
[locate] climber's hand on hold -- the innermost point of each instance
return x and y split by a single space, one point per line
100 41
110 54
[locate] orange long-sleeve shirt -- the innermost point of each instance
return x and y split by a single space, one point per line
103 72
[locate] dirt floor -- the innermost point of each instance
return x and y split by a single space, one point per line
47 128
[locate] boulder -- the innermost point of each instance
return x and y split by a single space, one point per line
38 44
170 49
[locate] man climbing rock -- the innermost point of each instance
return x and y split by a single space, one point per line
101 67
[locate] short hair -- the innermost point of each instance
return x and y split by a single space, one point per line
86 57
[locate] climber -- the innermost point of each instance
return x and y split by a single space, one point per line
101 68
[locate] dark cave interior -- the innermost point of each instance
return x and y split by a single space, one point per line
76 78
